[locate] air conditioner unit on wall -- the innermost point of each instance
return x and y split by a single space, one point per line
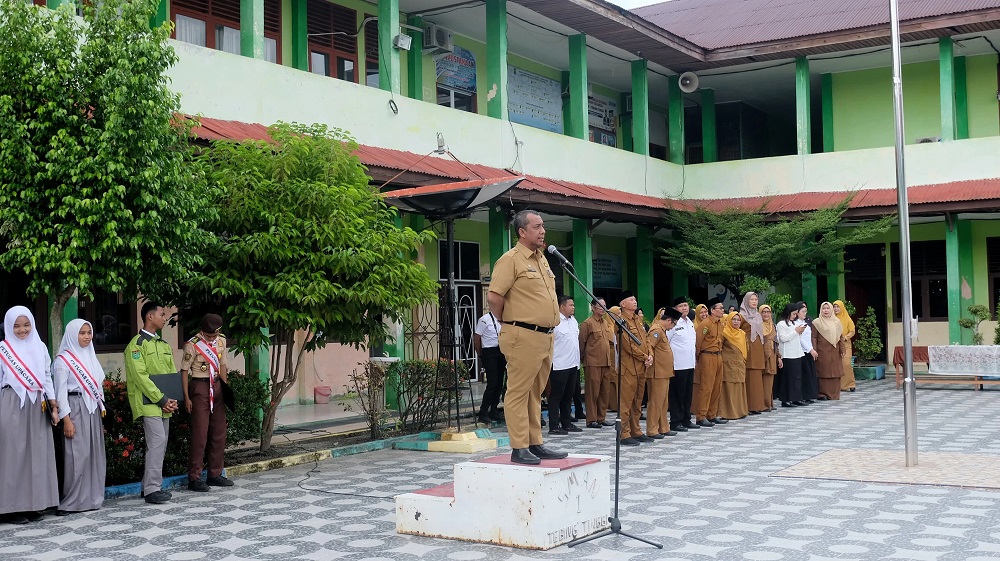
437 39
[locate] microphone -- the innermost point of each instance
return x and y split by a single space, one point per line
562 258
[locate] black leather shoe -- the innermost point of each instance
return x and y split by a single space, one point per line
852 390
220 481
656 436
157 497
34 516
630 442
706 423
823 398
581 417
523 456
543 422
497 416
690 425
485 419
644 438
719 421
608 423
63 513
573 428
678 428
15 518
594 425
558 432
198 485
546 453
668 433
810 401
800 403
755 412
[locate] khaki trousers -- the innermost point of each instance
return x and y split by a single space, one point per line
710 371
529 361
656 406
632 389
597 392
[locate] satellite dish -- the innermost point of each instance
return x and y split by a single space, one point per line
688 82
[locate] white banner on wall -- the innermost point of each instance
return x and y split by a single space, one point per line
534 100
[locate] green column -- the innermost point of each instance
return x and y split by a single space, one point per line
578 103
70 312
496 58
675 121
953 268
300 35
499 237
709 132
946 65
54 4
415 64
644 270
826 81
809 293
252 28
388 55
583 262
961 100
259 361
160 17
640 107
967 289
833 281
802 125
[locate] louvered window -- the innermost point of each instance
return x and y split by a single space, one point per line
371 52
216 24
333 42
929 274
993 270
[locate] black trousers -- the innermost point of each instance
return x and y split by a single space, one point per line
679 397
560 396
810 385
577 401
495 365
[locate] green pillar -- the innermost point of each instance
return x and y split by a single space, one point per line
415 64
675 121
54 4
70 313
496 58
640 107
259 361
499 237
252 28
961 100
579 106
644 270
833 280
160 17
946 65
826 81
953 268
388 28
809 293
300 35
709 132
966 272
802 116
583 262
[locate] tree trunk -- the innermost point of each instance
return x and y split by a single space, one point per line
284 373
56 316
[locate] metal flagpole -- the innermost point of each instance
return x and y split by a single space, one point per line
909 385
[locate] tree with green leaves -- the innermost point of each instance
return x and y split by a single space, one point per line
305 248
979 313
96 190
732 245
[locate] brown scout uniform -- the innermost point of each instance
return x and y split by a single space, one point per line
208 427
597 354
755 371
633 364
709 367
530 312
659 375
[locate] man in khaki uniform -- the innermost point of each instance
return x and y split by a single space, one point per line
709 349
597 354
523 296
634 361
660 373
204 369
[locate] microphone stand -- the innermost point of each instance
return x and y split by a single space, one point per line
621 330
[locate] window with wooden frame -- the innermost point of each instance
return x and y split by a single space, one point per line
114 318
333 41
929 274
216 24
993 271
371 52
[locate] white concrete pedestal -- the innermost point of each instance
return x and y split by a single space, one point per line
496 501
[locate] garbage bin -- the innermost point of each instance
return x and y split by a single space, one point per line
321 394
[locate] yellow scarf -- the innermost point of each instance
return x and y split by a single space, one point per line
768 326
845 319
697 312
736 336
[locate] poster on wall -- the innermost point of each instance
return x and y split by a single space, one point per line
457 70
603 112
607 138
607 271
534 100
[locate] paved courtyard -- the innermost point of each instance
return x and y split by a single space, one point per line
706 494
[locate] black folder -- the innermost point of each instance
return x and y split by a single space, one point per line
170 384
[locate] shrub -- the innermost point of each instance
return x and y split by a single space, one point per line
367 389
980 313
869 339
420 404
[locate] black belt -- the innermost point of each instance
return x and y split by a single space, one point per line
5 387
74 393
712 352
530 326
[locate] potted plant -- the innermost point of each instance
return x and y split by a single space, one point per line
868 345
980 313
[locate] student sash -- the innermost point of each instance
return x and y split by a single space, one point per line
84 378
20 370
210 355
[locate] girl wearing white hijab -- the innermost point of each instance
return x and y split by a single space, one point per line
79 383
28 483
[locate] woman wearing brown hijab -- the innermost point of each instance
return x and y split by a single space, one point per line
828 342
771 358
733 404
700 314
847 381
753 326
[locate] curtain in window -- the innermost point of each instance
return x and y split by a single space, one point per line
190 30
227 39
270 50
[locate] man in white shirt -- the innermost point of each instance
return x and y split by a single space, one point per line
565 369
487 343
810 386
682 339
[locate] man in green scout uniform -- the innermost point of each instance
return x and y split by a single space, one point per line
148 354
205 370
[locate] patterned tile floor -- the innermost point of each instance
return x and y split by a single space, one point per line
706 494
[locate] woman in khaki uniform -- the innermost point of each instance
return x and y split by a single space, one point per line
660 373
733 404
847 382
753 326
771 358
828 341
700 314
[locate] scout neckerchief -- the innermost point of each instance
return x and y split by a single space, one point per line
84 378
212 358
20 370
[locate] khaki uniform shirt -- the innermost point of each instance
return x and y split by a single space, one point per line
528 287
634 356
663 354
195 364
596 343
709 336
